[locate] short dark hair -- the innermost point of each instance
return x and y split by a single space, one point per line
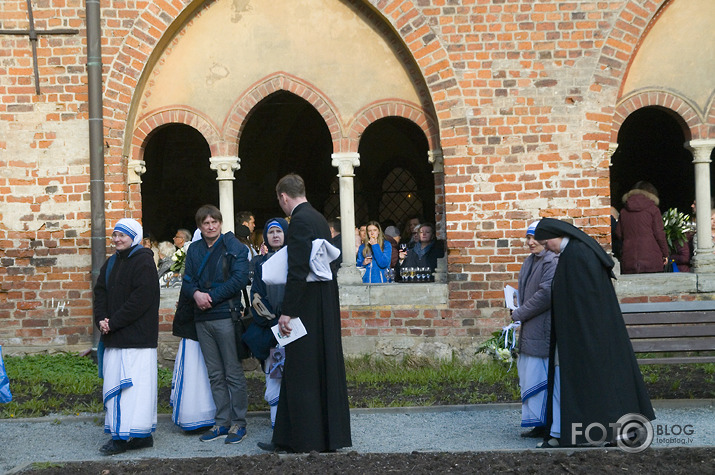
335 224
208 211
292 185
244 217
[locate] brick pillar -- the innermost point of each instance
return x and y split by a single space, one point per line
704 259
436 158
346 163
225 167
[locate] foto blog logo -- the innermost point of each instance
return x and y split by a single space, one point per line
633 433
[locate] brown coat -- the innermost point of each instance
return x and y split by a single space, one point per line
640 227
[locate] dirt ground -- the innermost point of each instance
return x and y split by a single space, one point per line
672 383
593 461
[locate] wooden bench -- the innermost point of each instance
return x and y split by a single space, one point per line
672 327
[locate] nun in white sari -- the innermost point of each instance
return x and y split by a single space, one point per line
126 311
191 399
534 313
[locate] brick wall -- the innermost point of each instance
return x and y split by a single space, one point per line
525 93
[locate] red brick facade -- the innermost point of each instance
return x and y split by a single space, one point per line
526 100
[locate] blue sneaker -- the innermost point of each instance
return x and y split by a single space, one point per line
235 435
216 432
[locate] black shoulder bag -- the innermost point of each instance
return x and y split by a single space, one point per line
240 315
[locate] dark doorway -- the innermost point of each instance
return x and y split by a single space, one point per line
177 181
394 180
651 147
284 134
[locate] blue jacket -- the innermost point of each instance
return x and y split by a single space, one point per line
227 249
375 272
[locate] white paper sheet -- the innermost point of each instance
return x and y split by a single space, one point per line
511 297
298 331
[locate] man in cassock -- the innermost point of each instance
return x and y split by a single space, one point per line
592 366
313 410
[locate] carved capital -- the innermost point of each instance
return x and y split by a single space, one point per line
225 167
701 150
436 158
136 168
346 162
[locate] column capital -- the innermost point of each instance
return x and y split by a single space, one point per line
225 167
436 158
701 148
612 147
136 168
346 162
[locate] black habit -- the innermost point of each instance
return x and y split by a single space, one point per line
313 411
600 378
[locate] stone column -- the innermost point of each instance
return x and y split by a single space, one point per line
346 163
704 259
225 167
436 158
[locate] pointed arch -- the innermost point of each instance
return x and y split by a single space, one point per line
280 81
174 116
392 108
684 112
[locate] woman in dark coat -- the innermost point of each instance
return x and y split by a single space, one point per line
126 311
534 313
640 227
592 366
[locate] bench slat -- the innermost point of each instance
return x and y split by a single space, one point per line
677 360
668 318
673 344
670 331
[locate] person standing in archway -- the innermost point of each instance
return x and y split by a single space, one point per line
640 228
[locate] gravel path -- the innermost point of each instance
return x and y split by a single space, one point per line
447 428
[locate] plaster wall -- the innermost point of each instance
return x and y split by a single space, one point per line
678 54
229 46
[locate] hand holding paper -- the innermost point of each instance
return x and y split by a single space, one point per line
297 331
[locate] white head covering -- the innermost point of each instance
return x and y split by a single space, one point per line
131 228
197 235
532 228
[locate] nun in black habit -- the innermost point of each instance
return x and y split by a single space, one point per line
599 377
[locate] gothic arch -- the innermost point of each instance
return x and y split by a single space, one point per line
395 108
174 116
684 112
143 45
280 81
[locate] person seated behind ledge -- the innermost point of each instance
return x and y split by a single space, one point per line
166 250
640 227
426 252
374 254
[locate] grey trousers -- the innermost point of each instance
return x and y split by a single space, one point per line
228 383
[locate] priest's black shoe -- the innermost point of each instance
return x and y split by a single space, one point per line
114 447
140 443
271 447
535 433
267 446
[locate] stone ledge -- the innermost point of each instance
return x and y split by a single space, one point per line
665 283
430 295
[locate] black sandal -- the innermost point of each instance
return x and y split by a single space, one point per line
551 443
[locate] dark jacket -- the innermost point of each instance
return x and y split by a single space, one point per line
129 297
428 259
640 227
221 283
534 310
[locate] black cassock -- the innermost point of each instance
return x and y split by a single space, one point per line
313 410
600 377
